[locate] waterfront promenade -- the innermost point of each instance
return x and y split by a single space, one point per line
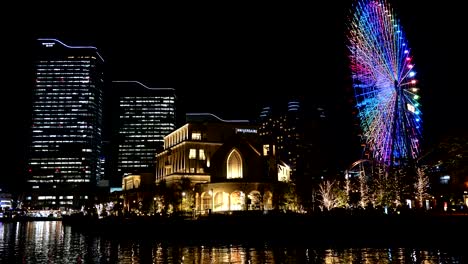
375 229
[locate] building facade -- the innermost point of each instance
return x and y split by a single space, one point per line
63 163
145 116
225 163
137 193
284 128
299 133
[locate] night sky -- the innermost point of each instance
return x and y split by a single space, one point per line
231 60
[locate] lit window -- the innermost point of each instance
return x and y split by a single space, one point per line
201 154
196 136
284 172
192 154
445 179
265 150
234 165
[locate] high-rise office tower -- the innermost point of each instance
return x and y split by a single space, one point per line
63 163
281 127
296 131
145 116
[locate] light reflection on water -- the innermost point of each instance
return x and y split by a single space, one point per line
51 242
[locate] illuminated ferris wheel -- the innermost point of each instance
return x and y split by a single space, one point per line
385 87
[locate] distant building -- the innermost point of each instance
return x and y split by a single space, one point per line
300 136
225 163
65 146
284 127
103 160
138 192
145 116
6 201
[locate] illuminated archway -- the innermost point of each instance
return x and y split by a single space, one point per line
268 201
237 201
234 165
255 200
207 201
221 201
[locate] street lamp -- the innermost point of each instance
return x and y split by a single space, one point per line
182 203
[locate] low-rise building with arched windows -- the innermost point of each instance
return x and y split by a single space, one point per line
225 162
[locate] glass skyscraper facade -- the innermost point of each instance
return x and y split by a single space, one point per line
63 163
146 115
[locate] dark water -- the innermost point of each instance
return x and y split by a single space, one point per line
51 242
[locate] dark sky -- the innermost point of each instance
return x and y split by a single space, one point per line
231 59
